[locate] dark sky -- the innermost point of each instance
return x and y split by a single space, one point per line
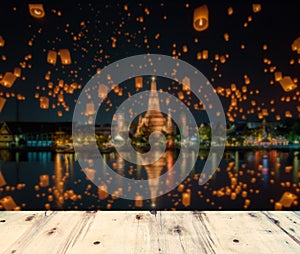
95 23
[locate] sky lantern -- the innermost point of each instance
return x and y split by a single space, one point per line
44 102
65 56
51 57
2 41
256 8
8 203
90 108
205 54
36 10
296 45
226 37
278 76
138 201
44 181
186 198
201 18
102 192
287 84
186 84
17 72
8 79
230 11
2 103
138 82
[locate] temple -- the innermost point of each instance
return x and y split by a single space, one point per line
154 119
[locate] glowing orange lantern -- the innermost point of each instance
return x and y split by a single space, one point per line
8 203
44 102
51 57
36 10
138 82
139 201
278 76
256 7
90 108
2 180
17 72
287 84
65 56
44 180
205 54
8 79
2 103
2 41
201 18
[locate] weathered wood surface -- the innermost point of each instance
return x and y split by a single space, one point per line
143 232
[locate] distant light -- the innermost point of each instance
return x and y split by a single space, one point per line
153 78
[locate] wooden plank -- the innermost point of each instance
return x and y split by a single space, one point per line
54 236
16 225
248 232
288 222
143 232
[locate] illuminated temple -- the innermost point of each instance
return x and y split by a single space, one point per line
154 119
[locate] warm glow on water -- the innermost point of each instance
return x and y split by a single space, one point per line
254 180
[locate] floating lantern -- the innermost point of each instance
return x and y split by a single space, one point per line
102 192
205 54
44 102
17 72
51 57
36 10
2 180
287 84
186 199
184 48
90 173
226 37
65 56
8 79
180 188
102 91
138 201
278 76
186 84
44 181
201 18
2 41
59 113
230 11
90 108
296 45
199 55
256 7
2 103
8 203
278 206
138 82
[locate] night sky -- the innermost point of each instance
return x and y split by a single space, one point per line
98 33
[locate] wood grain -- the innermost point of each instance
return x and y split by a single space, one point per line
143 232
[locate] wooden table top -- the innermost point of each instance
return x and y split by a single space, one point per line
145 232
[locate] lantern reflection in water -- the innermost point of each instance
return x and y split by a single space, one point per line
201 18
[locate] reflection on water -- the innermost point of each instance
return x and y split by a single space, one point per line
244 180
